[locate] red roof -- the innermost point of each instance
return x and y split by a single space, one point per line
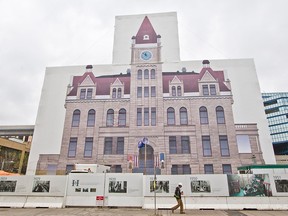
189 79
146 28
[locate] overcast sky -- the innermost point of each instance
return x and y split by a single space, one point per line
35 34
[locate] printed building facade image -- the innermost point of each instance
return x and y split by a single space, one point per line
186 116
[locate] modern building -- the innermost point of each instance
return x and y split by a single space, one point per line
15 143
185 117
148 92
276 109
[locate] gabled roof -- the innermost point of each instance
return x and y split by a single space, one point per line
189 80
146 28
103 83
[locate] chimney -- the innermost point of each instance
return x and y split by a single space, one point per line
89 68
206 64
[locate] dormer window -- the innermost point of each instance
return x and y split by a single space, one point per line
146 37
86 93
173 91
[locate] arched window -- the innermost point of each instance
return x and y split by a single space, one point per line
114 93
152 75
183 116
173 91
76 118
146 74
145 37
119 93
220 115
170 116
110 118
203 115
179 93
91 118
139 74
122 117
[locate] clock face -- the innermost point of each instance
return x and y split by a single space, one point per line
146 55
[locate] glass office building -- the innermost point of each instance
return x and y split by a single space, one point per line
276 109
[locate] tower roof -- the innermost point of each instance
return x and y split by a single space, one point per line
146 33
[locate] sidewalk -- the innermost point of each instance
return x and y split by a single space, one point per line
127 212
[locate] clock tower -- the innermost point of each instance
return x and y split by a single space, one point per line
146 91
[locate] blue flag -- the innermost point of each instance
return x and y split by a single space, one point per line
140 144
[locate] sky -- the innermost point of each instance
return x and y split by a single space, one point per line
35 34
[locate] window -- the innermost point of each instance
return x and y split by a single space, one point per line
118 169
119 93
110 118
152 74
224 146
146 74
76 118
172 145
220 115
208 169
183 116
180 169
173 91
69 167
82 93
227 168
186 169
212 90
89 93
153 116
145 37
206 145
139 116
72 147
174 170
243 144
122 117
51 169
153 91
146 91
170 116
91 118
139 92
146 116
185 145
203 115
114 93
108 145
120 145
88 147
139 74
179 93
205 90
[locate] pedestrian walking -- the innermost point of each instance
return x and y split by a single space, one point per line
178 193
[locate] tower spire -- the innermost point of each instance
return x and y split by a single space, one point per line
146 33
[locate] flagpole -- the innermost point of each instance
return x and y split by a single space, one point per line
145 160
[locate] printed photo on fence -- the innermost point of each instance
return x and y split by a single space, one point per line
41 186
249 185
160 186
200 186
7 186
281 185
117 186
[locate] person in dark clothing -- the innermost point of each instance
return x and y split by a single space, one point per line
177 195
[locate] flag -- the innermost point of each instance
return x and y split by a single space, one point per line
140 144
